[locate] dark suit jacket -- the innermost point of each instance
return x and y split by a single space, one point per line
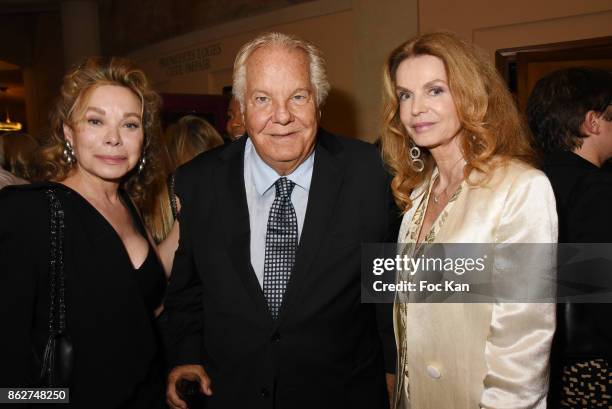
325 349
584 205
584 196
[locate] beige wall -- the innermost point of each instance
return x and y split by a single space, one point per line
379 27
495 24
355 36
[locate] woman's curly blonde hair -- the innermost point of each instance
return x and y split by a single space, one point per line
70 106
491 124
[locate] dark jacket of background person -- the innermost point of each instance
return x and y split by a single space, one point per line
109 304
325 349
584 202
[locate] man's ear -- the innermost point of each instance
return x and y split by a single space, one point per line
68 133
591 122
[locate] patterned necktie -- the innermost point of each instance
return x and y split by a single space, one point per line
281 245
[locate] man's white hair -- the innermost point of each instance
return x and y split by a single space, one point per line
317 64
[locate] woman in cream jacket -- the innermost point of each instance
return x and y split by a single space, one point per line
463 173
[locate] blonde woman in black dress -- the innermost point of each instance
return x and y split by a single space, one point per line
97 161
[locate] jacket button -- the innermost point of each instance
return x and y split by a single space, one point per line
264 392
433 372
276 337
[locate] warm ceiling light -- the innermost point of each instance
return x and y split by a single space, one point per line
7 125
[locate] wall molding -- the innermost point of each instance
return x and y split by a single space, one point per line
259 22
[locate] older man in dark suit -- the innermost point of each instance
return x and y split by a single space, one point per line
264 306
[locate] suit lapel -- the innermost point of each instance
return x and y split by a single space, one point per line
324 189
229 184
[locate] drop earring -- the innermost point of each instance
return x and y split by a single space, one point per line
415 158
141 164
69 153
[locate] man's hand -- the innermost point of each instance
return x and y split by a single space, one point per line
194 373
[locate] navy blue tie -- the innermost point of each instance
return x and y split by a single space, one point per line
281 245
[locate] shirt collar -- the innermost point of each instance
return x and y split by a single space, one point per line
264 176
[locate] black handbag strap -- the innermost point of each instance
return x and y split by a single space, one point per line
172 196
58 357
57 304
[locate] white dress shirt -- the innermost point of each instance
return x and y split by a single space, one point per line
259 180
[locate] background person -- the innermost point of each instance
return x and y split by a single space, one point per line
570 115
184 140
235 122
462 166
7 179
187 138
98 158
16 150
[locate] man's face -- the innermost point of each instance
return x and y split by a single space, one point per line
605 128
234 126
280 111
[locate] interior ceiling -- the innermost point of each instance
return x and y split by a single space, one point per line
133 24
27 6
126 25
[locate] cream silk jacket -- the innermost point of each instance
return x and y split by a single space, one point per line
480 355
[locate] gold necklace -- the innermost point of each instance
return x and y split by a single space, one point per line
437 198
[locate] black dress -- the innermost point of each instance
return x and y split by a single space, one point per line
109 303
581 360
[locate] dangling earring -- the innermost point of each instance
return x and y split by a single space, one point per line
69 153
141 164
415 156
